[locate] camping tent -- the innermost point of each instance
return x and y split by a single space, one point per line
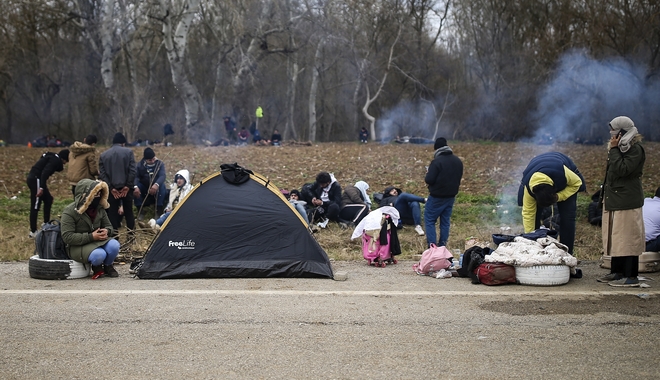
227 229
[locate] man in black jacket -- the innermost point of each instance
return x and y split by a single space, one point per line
327 196
37 181
443 179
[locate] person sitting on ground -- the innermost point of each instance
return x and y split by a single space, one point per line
178 190
326 198
149 183
86 228
298 204
37 182
364 135
651 212
276 138
243 136
408 206
83 161
355 203
256 138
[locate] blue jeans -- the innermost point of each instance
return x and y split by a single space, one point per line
437 208
147 199
163 218
105 254
409 209
301 209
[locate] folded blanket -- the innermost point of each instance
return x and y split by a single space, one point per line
526 253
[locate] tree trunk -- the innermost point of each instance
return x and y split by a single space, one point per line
107 58
175 45
313 88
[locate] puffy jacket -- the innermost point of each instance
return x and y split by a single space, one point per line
83 163
77 226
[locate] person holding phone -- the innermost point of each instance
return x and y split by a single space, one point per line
86 229
623 199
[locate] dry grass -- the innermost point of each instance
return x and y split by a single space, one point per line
485 205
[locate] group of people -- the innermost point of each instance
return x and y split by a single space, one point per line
324 200
630 223
90 224
242 136
553 178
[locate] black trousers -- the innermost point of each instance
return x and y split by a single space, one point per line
113 211
35 203
628 266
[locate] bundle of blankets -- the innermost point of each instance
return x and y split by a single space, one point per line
525 252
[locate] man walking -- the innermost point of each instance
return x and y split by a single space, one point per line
443 179
117 169
37 181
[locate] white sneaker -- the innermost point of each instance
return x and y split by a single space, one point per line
419 230
324 223
32 235
152 223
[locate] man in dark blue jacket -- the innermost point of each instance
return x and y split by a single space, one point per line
443 179
149 183
37 181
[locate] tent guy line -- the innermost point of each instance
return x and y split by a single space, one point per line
541 292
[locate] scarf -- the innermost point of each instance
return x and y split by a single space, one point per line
363 187
442 150
623 122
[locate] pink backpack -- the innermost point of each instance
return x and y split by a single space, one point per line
433 259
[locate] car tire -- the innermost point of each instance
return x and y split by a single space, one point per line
543 275
45 269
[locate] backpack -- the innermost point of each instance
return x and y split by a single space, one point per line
495 273
433 259
49 243
235 174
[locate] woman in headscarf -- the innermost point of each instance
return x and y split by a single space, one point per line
623 198
355 203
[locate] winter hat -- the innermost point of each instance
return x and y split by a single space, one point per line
149 154
439 143
64 154
119 138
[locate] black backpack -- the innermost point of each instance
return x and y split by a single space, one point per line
49 243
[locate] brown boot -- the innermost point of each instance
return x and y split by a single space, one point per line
110 271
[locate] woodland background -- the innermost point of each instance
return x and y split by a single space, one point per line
505 70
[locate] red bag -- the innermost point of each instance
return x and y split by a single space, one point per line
495 273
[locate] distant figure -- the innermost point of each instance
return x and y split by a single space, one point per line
364 135
167 131
83 162
230 128
243 136
37 182
276 138
256 138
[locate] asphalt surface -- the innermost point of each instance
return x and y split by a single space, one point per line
379 323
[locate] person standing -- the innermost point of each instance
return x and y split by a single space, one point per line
149 186
87 230
548 179
651 212
37 182
623 199
83 161
230 128
443 179
117 169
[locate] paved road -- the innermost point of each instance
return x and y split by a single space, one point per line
380 323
